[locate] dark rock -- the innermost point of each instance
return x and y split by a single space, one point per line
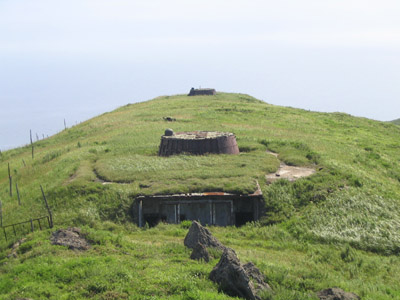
71 237
235 279
257 277
169 132
336 294
199 235
169 119
200 252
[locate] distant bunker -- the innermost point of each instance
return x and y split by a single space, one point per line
198 143
220 209
202 92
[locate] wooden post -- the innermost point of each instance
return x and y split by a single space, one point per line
48 208
141 213
40 226
23 161
5 234
30 131
1 214
16 187
10 179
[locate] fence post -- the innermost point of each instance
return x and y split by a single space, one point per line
30 132
16 187
48 208
10 179
31 225
5 234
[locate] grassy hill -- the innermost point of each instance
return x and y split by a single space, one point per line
397 121
338 227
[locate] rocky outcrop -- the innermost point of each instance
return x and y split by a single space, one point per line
71 238
336 294
236 279
200 253
199 235
256 276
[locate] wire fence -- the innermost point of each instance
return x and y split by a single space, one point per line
31 226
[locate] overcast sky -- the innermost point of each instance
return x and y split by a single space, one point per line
75 59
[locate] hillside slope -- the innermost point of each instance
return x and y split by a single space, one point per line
397 121
92 172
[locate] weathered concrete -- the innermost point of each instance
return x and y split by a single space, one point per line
202 92
221 209
197 142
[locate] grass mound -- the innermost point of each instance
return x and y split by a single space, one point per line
338 227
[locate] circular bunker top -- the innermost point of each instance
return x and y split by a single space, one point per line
197 142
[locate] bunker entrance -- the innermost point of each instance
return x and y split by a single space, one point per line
153 219
219 209
243 217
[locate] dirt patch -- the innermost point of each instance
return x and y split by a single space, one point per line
70 179
15 247
336 293
70 237
290 173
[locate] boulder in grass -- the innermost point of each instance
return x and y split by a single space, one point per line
256 276
336 294
200 253
71 238
199 235
236 279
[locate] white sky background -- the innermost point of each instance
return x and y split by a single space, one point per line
75 59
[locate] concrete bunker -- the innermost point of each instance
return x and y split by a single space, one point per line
217 208
197 142
202 92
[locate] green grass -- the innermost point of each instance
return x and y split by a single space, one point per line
338 227
397 121
127 263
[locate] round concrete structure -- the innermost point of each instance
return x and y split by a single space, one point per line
198 143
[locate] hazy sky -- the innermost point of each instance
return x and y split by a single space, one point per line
76 59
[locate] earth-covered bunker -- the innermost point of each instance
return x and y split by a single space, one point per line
220 209
198 143
202 92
